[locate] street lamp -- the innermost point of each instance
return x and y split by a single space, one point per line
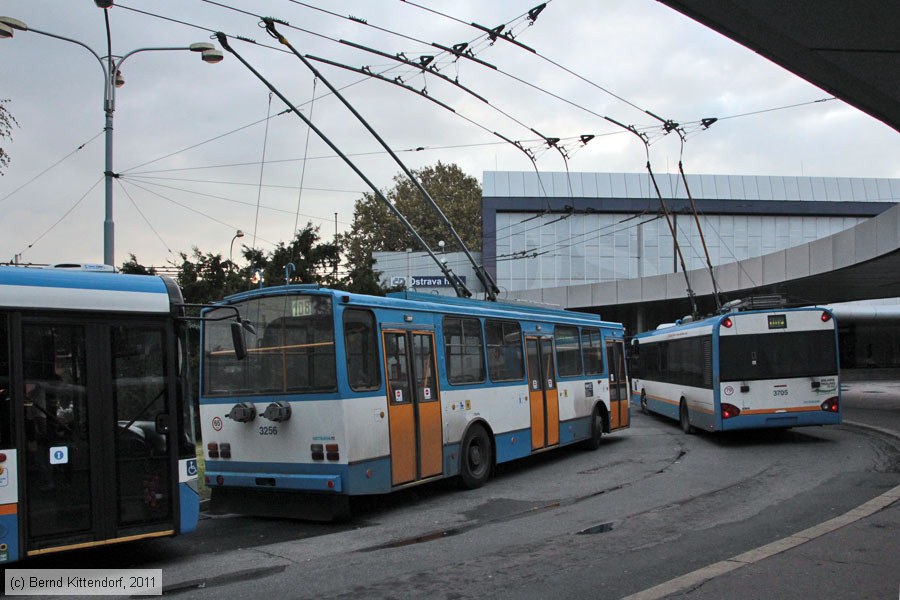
237 234
112 79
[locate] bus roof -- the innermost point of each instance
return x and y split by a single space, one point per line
48 288
435 303
714 320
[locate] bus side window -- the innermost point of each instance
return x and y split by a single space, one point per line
361 348
464 350
504 343
592 350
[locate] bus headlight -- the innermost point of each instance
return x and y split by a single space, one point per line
242 412
277 411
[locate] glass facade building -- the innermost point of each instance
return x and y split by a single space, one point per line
560 229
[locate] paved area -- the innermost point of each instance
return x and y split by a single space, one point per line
854 555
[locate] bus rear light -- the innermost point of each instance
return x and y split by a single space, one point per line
2 457
330 484
831 405
220 480
332 451
212 450
225 450
729 410
318 451
826 316
727 323
206 479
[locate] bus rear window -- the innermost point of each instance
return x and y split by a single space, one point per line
290 350
777 355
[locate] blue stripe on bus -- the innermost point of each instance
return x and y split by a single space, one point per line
189 507
56 278
781 420
512 445
574 430
365 477
9 535
281 481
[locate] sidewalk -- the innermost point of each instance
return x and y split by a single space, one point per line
854 555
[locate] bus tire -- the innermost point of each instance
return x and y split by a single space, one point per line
593 442
475 459
685 418
644 408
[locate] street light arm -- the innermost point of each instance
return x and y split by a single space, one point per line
66 39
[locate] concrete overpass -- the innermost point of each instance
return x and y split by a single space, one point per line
859 263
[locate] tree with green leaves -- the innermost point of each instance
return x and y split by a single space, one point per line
376 229
208 277
7 121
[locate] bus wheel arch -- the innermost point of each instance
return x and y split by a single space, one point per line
476 456
684 417
599 425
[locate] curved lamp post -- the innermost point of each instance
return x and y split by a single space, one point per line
112 79
237 234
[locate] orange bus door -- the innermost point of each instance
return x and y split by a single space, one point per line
543 395
414 408
618 384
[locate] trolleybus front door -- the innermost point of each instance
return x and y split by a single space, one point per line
618 384
543 395
414 407
94 400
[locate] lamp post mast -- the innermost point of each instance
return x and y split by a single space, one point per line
111 66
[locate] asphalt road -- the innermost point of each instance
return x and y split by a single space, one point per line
649 505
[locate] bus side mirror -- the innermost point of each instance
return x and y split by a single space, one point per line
237 339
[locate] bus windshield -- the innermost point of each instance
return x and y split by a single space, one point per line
290 351
777 355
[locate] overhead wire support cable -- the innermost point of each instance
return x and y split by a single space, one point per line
369 73
687 190
424 65
490 287
645 141
457 283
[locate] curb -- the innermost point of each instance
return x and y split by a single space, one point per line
702 575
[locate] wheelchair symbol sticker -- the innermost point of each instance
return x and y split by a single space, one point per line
191 468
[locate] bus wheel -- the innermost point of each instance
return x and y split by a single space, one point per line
684 418
593 442
476 458
644 408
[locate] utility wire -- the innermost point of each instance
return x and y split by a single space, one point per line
51 167
262 166
61 219
232 200
146 220
194 210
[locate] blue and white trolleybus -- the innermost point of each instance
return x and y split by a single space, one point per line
96 439
343 394
741 370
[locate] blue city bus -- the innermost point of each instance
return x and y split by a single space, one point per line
741 370
96 438
344 394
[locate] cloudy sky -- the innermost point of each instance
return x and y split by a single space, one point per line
198 159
